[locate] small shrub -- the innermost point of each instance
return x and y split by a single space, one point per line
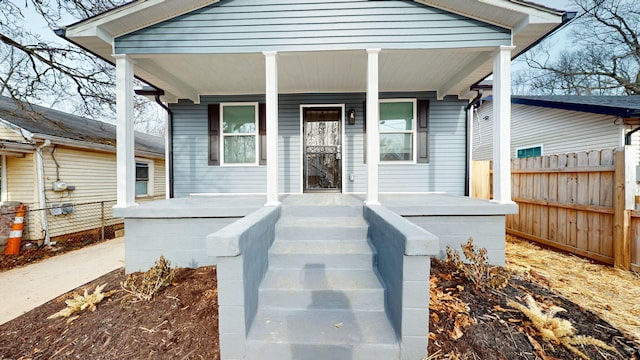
146 285
478 270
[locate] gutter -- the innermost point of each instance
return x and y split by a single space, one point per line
566 18
156 93
619 111
62 33
627 136
92 146
477 101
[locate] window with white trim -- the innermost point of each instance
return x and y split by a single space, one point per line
526 152
397 130
239 130
142 179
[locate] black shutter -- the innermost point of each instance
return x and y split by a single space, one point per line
262 121
364 131
423 131
214 134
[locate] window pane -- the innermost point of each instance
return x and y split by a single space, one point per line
529 152
239 119
396 147
141 188
396 116
536 151
142 171
240 149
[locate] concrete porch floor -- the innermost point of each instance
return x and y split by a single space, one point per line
409 204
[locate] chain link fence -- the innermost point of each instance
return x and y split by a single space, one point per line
69 222
82 223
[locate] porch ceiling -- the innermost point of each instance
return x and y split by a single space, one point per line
449 72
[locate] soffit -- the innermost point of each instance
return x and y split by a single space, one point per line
300 72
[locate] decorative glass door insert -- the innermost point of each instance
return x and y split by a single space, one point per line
322 149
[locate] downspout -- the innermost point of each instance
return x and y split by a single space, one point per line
4 195
156 93
627 136
476 102
41 191
169 159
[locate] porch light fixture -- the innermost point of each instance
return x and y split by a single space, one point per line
351 116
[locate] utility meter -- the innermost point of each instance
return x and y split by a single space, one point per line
59 186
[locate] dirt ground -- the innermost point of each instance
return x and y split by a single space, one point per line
479 324
181 322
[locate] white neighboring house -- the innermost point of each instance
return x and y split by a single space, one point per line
55 160
558 124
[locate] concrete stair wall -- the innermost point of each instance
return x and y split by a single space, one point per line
321 297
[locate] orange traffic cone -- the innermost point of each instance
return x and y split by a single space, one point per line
15 237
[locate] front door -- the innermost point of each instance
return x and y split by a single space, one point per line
322 149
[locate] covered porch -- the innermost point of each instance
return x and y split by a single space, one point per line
375 73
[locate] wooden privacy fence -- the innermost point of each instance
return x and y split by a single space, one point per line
580 202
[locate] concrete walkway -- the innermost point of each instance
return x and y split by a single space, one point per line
25 288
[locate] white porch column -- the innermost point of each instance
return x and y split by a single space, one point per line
125 151
373 132
502 125
271 60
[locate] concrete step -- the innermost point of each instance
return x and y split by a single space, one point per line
262 350
365 299
322 199
321 247
320 328
319 288
321 228
321 298
329 261
321 211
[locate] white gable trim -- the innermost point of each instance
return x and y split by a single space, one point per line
140 14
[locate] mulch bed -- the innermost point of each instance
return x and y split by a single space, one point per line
181 323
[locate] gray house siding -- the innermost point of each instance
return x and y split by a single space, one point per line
447 145
241 26
558 131
447 153
192 174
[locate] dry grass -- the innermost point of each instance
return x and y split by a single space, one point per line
477 269
144 286
610 293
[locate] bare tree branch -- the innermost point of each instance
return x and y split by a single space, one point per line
604 60
61 75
